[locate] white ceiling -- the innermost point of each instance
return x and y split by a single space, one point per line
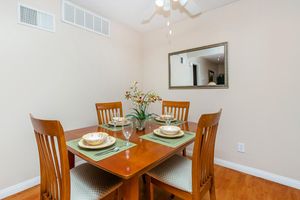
133 12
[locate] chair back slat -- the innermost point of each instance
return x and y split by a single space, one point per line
106 111
203 153
54 164
180 109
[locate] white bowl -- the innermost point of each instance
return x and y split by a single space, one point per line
95 138
166 117
169 130
118 119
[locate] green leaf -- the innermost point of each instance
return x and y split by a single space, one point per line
132 115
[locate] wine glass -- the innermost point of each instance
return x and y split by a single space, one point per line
149 124
115 119
169 117
127 131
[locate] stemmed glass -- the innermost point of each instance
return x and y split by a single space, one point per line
169 117
149 124
127 131
115 119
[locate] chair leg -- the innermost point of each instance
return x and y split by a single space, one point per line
118 194
184 152
144 178
149 188
212 192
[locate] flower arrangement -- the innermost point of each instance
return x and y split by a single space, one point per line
141 102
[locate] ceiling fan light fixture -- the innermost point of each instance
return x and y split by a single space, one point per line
159 3
167 5
183 2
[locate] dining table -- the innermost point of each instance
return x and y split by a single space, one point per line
132 163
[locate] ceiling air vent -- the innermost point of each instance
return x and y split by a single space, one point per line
36 18
82 18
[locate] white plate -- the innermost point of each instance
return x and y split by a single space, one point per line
163 120
109 141
179 134
120 123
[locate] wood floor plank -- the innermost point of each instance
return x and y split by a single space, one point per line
230 185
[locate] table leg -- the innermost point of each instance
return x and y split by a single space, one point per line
71 160
130 188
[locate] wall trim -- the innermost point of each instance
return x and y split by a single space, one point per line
79 161
231 165
6 192
19 187
259 173
255 172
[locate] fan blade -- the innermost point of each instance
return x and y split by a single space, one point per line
193 8
183 2
149 14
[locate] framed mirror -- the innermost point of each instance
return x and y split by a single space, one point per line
203 67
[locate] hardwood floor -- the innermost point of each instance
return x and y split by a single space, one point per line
230 185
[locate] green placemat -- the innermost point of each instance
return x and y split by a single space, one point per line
175 123
107 152
111 128
171 142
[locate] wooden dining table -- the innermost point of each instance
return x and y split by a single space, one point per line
130 164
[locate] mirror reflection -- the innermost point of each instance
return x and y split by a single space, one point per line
200 67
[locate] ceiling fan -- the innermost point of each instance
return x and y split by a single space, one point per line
166 4
164 7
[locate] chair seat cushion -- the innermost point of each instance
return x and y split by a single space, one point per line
176 172
91 183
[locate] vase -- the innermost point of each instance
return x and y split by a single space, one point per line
140 124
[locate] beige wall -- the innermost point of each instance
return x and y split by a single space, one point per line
181 73
261 108
61 75
55 75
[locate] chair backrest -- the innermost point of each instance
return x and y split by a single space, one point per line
180 109
203 154
106 111
54 164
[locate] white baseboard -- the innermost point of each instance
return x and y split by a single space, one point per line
19 187
259 173
26 184
79 162
241 168
255 172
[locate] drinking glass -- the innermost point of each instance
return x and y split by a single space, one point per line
169 117
115 119
149 124
127 131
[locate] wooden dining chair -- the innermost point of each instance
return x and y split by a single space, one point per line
180 110
185 178
106 111
58 182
